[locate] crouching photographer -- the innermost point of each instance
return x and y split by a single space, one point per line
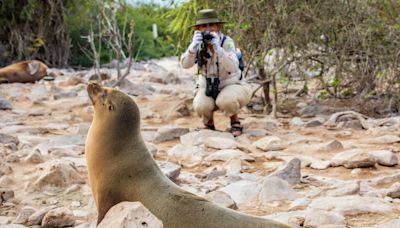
218 80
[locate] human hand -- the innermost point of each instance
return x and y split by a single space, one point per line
216 42
196 41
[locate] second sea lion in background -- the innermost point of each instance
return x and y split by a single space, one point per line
26 71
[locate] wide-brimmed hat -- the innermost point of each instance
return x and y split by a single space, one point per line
207 16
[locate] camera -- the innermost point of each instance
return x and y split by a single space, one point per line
212 87
207 37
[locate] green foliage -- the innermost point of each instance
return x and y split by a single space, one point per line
143 17
181 18
334 83
130 19
323 95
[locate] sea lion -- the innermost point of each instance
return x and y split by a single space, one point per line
26 71
121 169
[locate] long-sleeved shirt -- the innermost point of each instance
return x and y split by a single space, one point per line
229 72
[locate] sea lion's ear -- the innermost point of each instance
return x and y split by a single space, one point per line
33 67
110 107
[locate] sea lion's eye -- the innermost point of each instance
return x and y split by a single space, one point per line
110 107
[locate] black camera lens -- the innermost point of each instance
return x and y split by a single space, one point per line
207 36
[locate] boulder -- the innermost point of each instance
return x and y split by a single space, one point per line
352 205
24 214
170 169
354 158
331 146
385 139
196 138
228 154
8 139
169 132
130 215
221 198
346 188
276 189
395 223
34 157
6 195
220 143
290 171
269 143
186 154
58 217
242 191
394 191
58 173
385 157
317 218
36 218
5 104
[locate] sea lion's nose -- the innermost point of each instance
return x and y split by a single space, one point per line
94 90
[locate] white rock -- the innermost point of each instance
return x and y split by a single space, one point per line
196 138
5 169
169 132
6 181
8 139
346 188
260 123
297 122
395 223
331 146
354 158
385 157
58 173
170 169
317 218
276 189
130 215
186 154
294 218
242 191
59 217
385 139
6 195
228 154
221 198
214 172
299 203
61 142
5 104
12 226
319 164
35 157
386 179
394 191
352 205
24 214
269 143
233 166
36 218
220 143
290 171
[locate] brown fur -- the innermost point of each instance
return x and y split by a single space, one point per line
26 71
121 169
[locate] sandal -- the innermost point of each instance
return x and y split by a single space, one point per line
209 127
236 128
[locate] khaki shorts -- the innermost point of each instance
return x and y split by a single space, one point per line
230 100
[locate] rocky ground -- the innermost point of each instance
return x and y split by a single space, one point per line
316 169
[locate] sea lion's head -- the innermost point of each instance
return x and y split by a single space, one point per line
114 108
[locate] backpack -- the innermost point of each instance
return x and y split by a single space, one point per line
239 57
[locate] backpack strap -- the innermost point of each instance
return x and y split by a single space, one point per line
223 41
